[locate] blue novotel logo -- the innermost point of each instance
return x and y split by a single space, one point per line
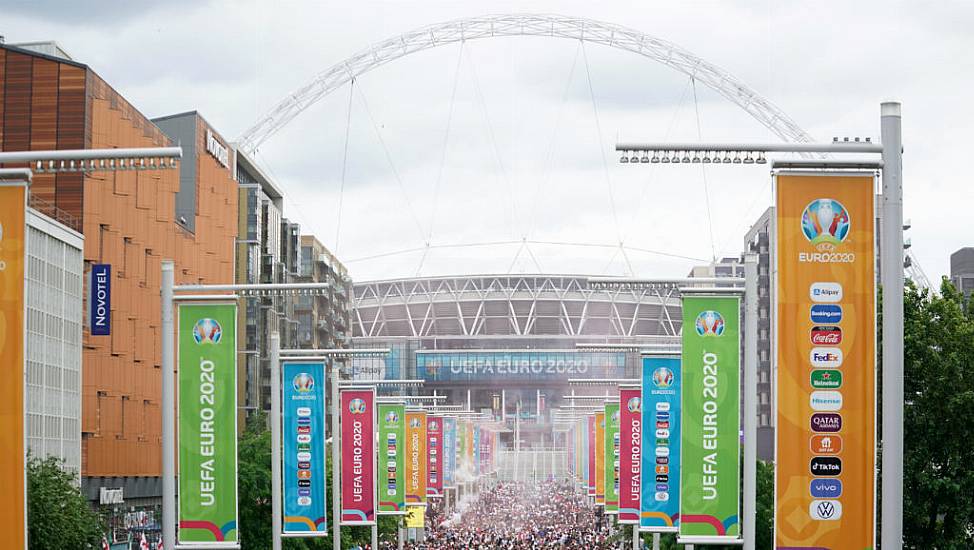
826 313
829 487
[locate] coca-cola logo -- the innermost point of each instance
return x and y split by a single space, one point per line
826 335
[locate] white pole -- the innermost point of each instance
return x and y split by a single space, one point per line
656 542
336 502
750 397
635 536
891 265
168 410
503 405
468 399
276 514
375 536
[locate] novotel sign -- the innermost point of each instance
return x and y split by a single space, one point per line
100 300
217 149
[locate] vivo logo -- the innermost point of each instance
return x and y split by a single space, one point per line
830 358
825 400
825 488
825 292
826 313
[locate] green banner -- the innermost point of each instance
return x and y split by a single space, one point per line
612 458
710 474
208 424
392 459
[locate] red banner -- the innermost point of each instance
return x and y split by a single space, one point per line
358 456
630 453
590 478
434 456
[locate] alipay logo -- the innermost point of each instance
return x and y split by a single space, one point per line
207 331
827 292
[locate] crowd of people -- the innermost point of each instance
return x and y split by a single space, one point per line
516 516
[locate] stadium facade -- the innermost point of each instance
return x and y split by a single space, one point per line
509 339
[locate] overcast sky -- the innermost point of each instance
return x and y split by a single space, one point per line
506 140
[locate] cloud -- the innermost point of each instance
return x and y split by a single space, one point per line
524 158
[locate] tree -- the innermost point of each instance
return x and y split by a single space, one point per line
939 406
58 516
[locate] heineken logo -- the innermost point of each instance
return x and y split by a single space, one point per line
826 379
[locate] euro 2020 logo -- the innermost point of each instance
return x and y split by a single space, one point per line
207 331
392 417
662 378
414 423
356 406
825 223
303 383
633 404
710 323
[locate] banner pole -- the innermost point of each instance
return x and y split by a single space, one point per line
276 440
168 410
891 266
375 535
750 397
336 502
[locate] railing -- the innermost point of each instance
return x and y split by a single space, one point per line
53 212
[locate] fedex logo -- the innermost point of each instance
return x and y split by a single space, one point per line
829 358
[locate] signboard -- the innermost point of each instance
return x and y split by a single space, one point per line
825 487
590 455
449 452
415 517
661 417
303 430
13 505
415 458
518 365
711 420
599 451
630 453
207 342
612 451
434 456
100 300
358 456
392 458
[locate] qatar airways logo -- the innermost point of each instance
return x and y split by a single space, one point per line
826 335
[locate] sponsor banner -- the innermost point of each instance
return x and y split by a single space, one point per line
304 448
100 300
711 418
590 455
434 456
392 458
826 330
449 452
599 452
207 374
13 223
477 454
415 458
661 417
630 453
612 456
518 366
358 456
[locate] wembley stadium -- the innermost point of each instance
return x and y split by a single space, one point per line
510 339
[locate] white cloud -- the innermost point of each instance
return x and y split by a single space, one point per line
827 64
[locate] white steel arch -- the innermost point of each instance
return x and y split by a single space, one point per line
558 26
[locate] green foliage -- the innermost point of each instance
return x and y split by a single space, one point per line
58 516
938 480
254 452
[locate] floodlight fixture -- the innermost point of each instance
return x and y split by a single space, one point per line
95 160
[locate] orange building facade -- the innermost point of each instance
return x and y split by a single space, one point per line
129 220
